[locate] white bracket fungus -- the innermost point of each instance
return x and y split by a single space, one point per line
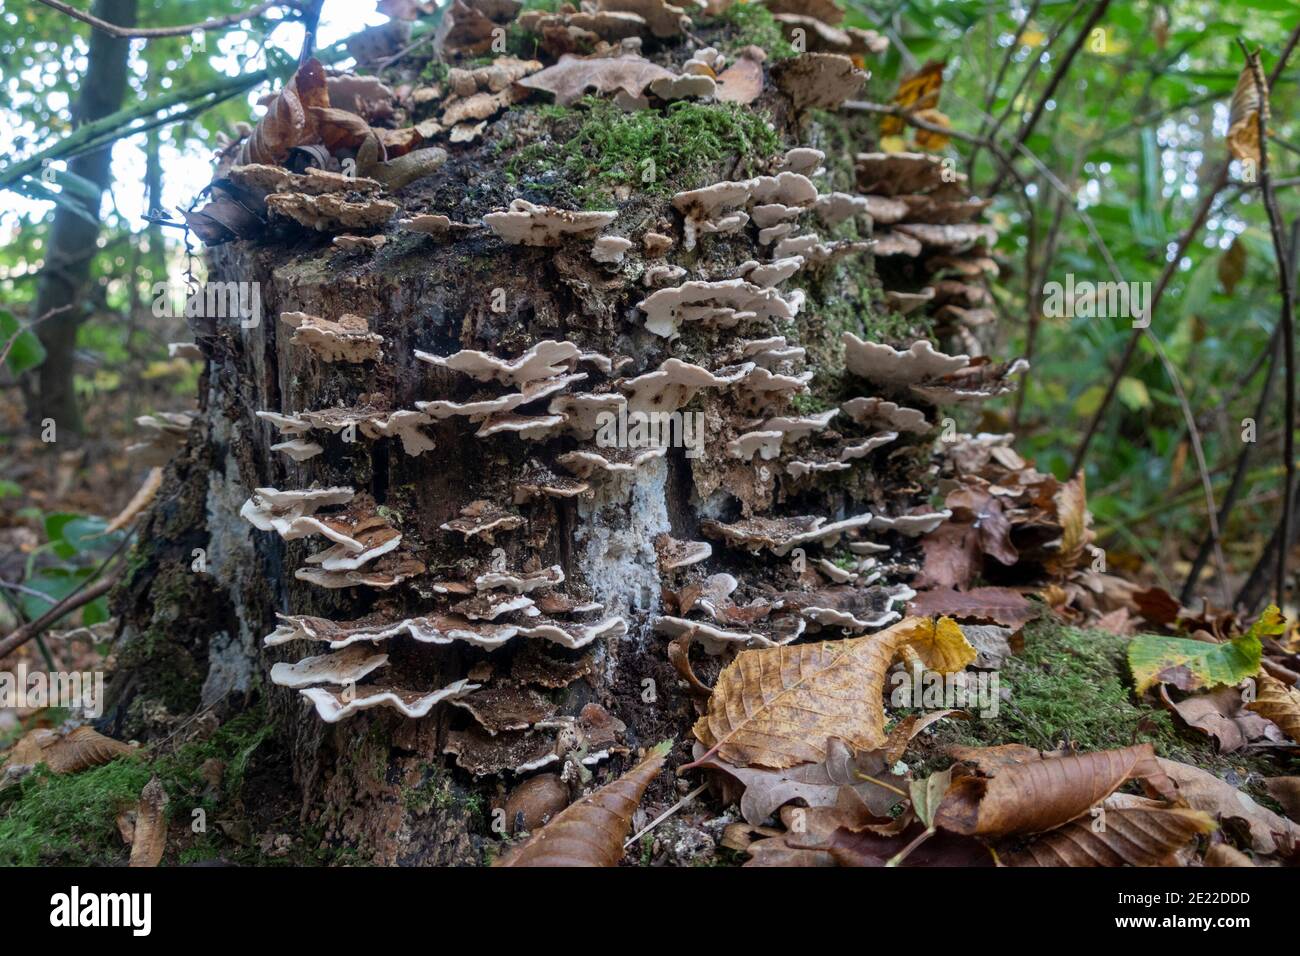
348 339
532 225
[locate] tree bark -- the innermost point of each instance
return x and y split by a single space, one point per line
71 242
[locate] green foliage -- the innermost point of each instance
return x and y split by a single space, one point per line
26 351
752 24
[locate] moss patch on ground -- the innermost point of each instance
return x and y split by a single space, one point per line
596 147
1073 685
70 819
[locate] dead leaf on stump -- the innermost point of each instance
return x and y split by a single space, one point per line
80 749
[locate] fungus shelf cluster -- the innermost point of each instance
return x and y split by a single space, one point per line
779 529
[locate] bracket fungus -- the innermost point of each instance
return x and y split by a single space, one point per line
348 339
532 225
330 212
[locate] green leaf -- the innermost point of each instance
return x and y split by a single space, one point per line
1198 665
1133 393
27 351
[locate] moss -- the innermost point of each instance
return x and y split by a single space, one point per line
70 819
746 24
650 151
1073 685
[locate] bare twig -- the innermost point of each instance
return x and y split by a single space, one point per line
1058 75
152 33
69 604
1287 318
666 814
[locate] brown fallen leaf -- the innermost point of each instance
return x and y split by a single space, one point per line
591 832
1221 715
952 557
1264 830
1279 703
742 82
1225 854
866 848
1124 835
1286 791
867 773
150 838
777 707
80 749
1044 794
288 121
999 605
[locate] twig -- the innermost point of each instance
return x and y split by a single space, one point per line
1058 75
150 33
1287 318
69 604
666 814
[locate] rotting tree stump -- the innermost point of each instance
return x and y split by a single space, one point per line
205 586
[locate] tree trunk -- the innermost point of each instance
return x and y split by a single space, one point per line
193 639
71 242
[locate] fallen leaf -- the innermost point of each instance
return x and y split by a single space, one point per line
999 605
591 831
952 557
777 707
1286 791
940 644
1123 836
742 82
1223 854
1265 830
1191 665
1221 715
80 749
150 837
817 784
1279 703
1044 794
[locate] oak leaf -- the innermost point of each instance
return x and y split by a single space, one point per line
591 831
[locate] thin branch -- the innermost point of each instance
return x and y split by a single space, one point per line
1027 127
153 33
69 604
1287 318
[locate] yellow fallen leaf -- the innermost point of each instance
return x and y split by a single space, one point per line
940 644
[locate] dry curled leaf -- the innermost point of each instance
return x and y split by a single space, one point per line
150 838
80 749
1122 836
1263 830
1279 703
1044 794
778 706
1243 118
288 121
591 832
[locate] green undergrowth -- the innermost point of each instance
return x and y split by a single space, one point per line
1073 686
746 24
70 819
599 147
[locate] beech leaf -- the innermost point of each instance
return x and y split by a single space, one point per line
591 831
